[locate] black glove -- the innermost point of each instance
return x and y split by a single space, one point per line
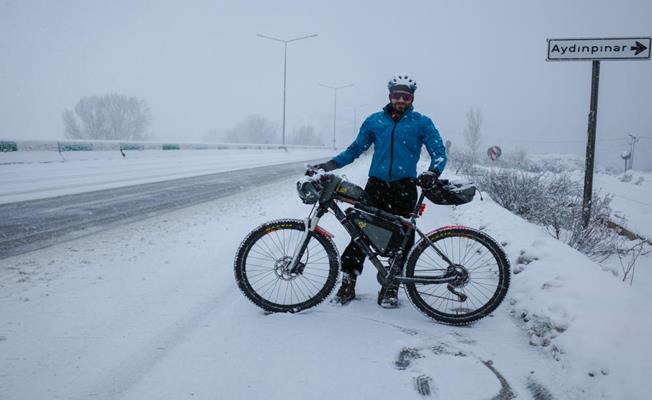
428 179
327 166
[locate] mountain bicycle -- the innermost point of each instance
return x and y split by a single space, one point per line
454 274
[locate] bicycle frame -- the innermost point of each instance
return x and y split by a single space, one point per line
389 275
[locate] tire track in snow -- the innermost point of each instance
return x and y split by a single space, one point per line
425 384
537 390
116 383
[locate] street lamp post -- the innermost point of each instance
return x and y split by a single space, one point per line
285 66
335 89
632 144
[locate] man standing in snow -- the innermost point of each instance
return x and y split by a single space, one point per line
397 132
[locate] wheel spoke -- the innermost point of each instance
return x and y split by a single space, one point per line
478 270
265 267
262 252
264 241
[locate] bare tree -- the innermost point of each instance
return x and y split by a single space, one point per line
108 117
472 130
306 135
253 129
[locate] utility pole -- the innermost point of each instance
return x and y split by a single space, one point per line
285 67
335 89
632 145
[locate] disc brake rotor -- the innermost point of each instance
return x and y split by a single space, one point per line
282 268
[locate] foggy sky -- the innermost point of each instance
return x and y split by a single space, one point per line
200 66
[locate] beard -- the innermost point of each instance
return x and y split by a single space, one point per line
400 107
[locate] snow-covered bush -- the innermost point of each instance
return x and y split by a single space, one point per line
557 163
555 202
597 240
626 177
520 192
463 162
520 159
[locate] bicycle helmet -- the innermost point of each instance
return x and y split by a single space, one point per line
402 82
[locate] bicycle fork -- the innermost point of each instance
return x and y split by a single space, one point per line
310 222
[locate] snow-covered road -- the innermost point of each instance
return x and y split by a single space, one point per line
34 224
151 310
632 199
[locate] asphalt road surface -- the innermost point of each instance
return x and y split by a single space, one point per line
30 225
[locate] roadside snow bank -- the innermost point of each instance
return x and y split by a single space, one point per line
596 326
34 179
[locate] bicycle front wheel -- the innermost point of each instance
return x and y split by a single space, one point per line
481 269
262 267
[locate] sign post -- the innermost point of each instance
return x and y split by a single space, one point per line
596 50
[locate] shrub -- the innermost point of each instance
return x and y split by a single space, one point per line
555 202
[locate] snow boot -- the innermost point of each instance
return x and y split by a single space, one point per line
388 297
346 293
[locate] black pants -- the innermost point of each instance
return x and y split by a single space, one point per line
398 198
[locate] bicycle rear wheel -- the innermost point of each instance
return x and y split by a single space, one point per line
262 267
481 269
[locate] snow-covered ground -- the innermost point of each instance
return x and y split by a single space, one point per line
34 175
151 310
587 319
632 198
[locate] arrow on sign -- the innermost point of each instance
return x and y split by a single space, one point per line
638 48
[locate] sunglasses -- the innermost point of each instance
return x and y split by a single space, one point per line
401 95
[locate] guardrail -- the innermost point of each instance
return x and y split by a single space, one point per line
109 145
622 231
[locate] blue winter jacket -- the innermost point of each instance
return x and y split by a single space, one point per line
397 145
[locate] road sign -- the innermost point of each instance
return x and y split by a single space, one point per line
494 152
599 49
596 50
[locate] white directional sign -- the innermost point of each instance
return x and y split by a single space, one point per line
599 49
596 50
